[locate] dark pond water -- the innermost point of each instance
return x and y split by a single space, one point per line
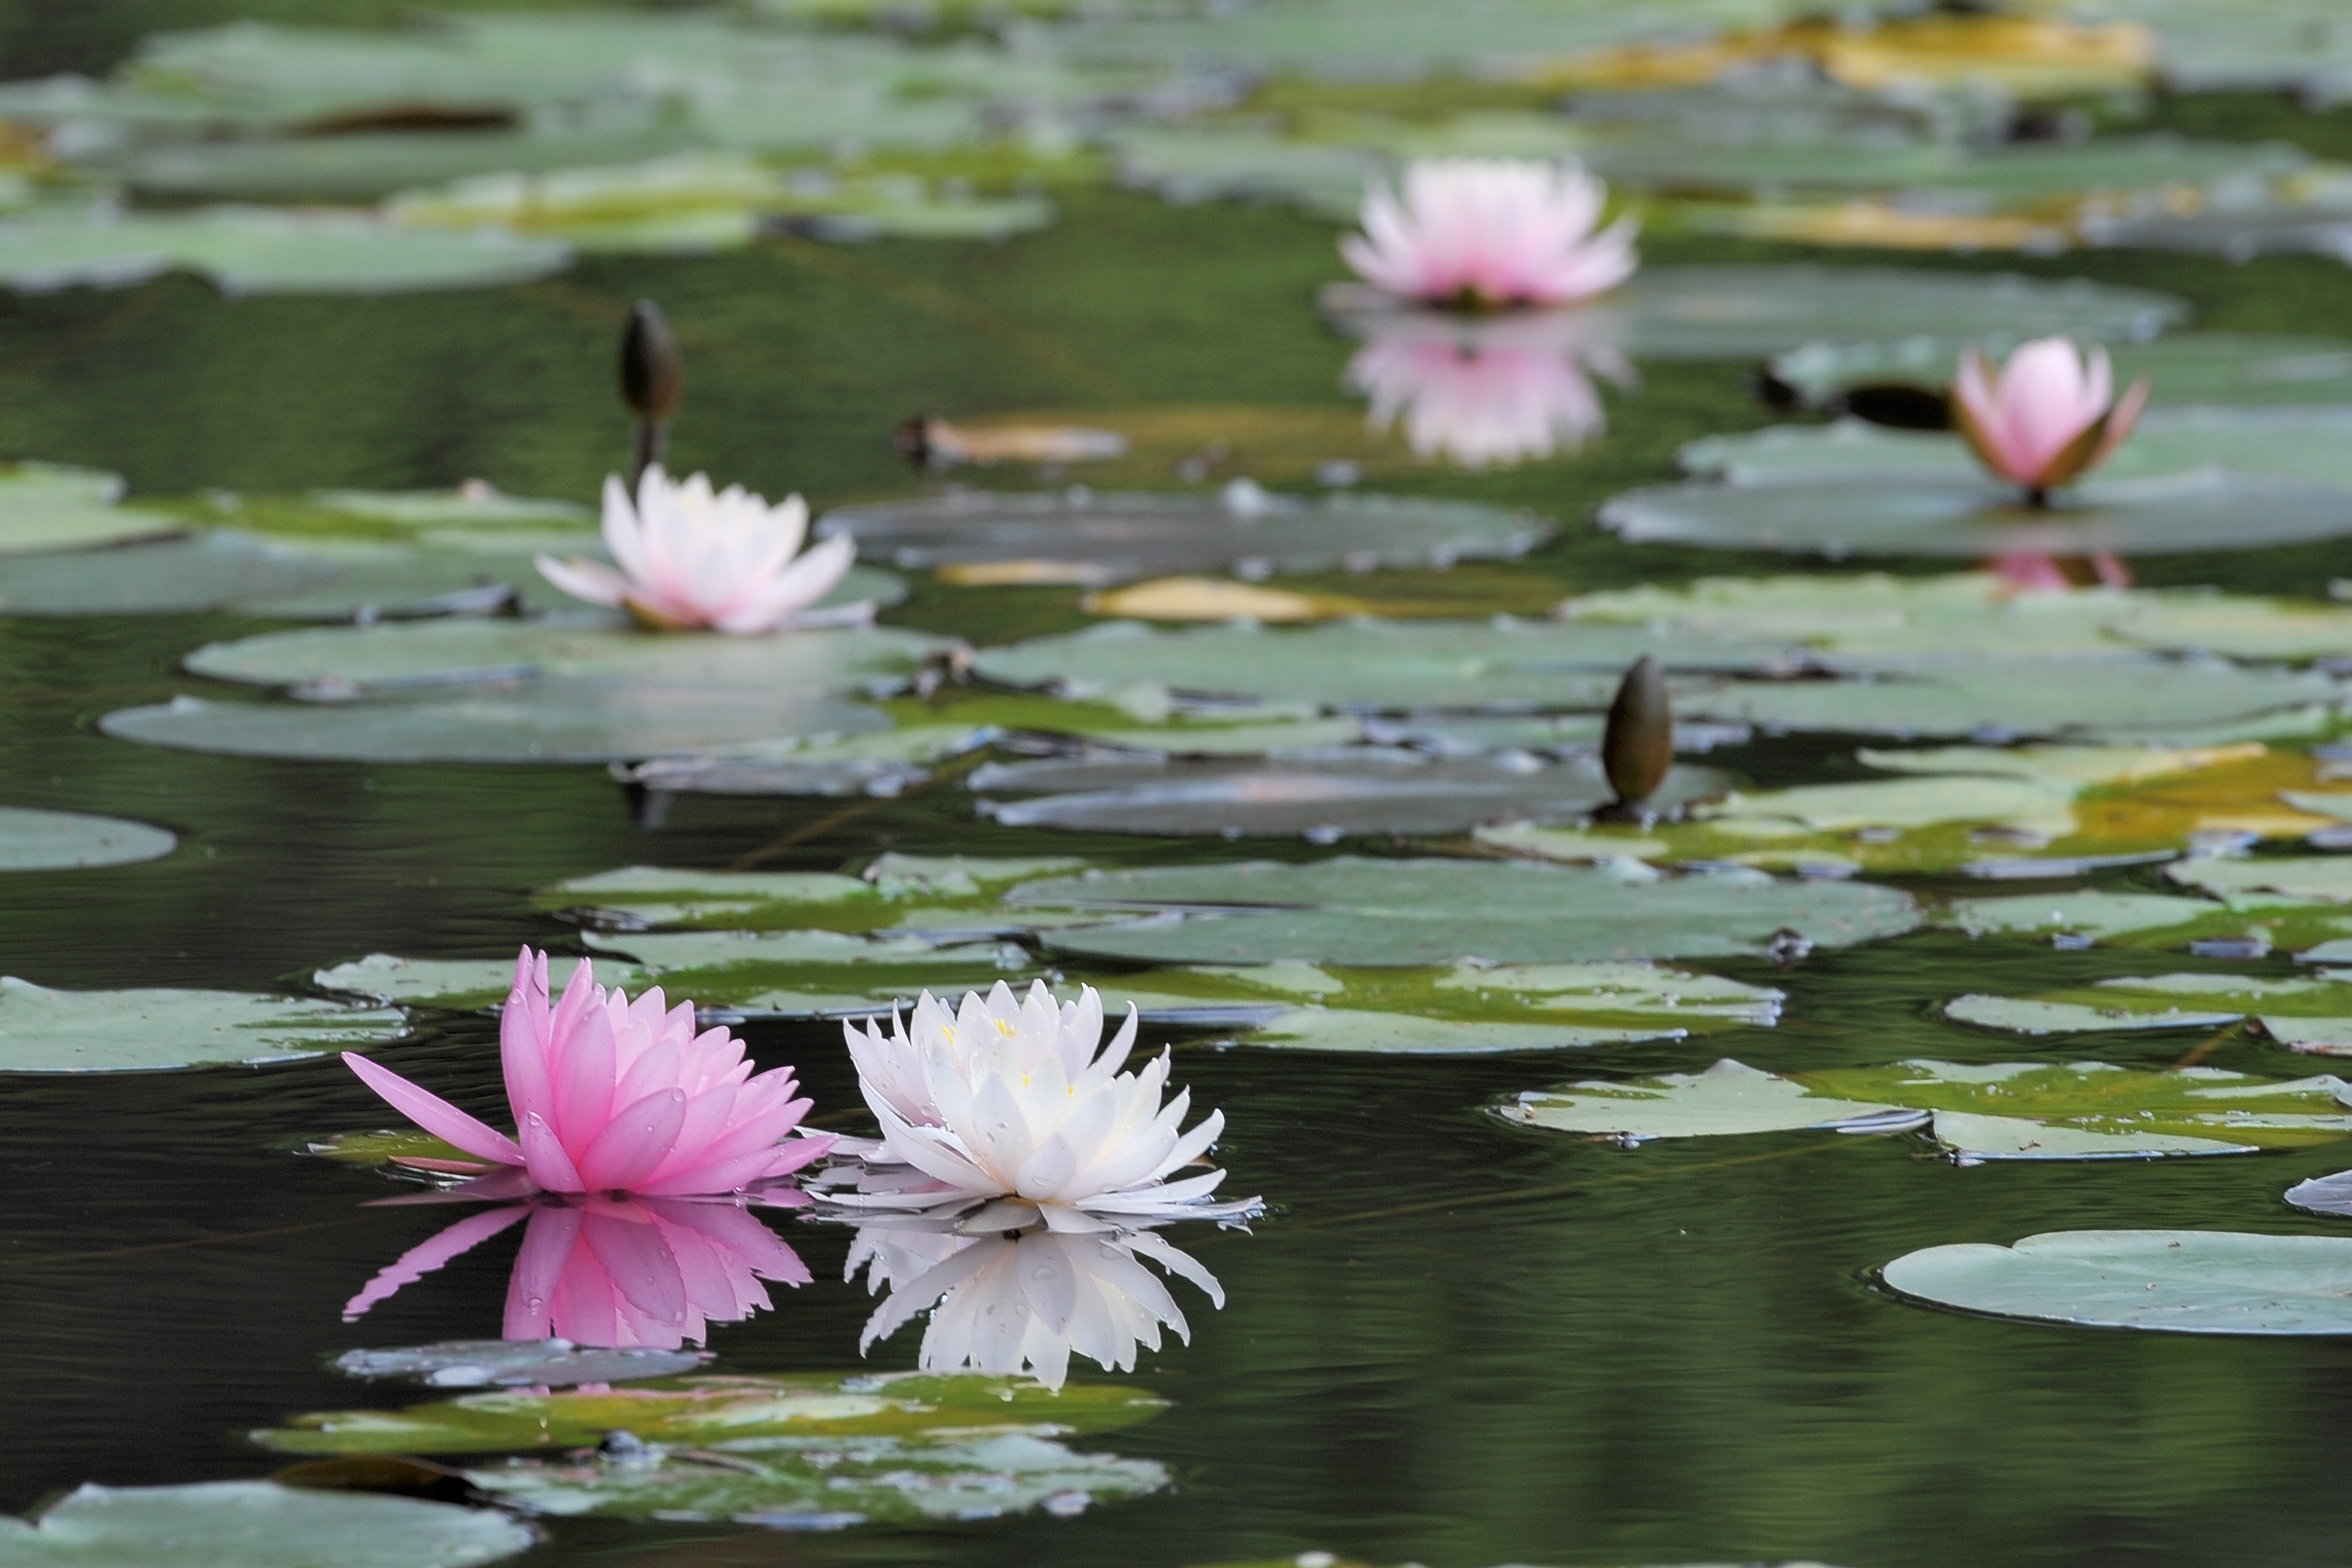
1448 1342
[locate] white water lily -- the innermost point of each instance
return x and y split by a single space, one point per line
1010 1305
1015 1100
694 559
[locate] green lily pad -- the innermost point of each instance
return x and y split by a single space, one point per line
2178 1281
2209 510
2011 1109
2181 367
45 507
2160 1001
256 250
1742 312
392 981
2273 879
1087 536
584 719
810 974
2083 912
1375 665
712 1411
515 1364
882 763
68 840
1381 913
894 887
209 571
367 166
42 1031
257 1524
472 507
1323 795
2116 698
2291 443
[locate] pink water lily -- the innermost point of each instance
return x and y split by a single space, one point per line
611 1095
1489 232
2050 417
691 559
615 1271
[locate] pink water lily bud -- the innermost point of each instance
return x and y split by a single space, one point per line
694 559
611 1095
1017 1101
2050 417
1491 231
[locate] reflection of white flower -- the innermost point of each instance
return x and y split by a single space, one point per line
1496 402
1010 1099
1022 1302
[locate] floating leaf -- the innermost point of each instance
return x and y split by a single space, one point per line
42 1031
2159 1002
1324 795
257 1524
2209 510
206 571
256 250
1096 537
45 507
895 887
2011 1109
456 982
2325 878
2178 1281
63 840
807 974
711 1411
1418 912
882 763
2182 367
2082 912
1741 312
366 166
514 1363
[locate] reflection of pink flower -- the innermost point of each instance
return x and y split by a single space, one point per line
2051 415
1011 1303
1498 403
2034 571
1491 231
616 1271
612 1096
689 559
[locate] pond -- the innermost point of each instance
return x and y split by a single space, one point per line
2002 850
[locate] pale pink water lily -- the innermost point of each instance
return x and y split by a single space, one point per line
615 1271
1025 1302
1017 1101
2050 416
691 559
1495 403
1491 231
611 1095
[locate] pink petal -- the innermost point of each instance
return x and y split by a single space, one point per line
636 1141
543 1154
435 1115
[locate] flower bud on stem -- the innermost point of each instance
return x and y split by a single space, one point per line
653 383
1637 746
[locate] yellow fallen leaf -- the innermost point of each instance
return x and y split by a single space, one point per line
1211 599
2032 57
938 444
1887 228
1026 574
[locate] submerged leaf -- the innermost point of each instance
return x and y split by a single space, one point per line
2178 1281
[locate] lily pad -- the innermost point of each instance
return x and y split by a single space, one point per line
46 506
1379 912
1323 795
2209 510
2273 879
2178 1281
1087 537
1369 664
2083 912
174 576
257 1524
2182 367
2013 1110
710 1410
514 1363
42 1031
68 840
392 981
1742 312
2291 443
882 763
810 974
256 250
586 718
2160 1001
893 888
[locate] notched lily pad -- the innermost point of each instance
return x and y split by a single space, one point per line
1080 536
2178 1281
257 1524
514 1363
68 841
42 1031
1381 913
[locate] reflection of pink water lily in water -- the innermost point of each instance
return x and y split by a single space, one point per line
1500 402
613 1272
1026 1301
611 1095
2035 571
